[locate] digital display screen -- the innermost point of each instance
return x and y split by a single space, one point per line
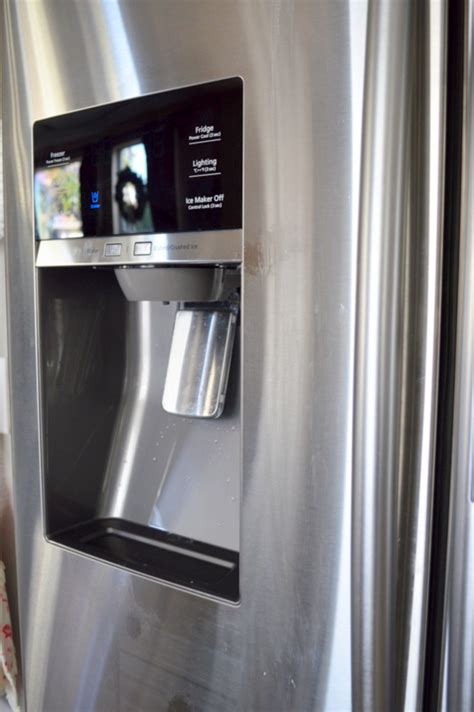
165 162
58 202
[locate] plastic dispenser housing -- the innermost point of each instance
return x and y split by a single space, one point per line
138 218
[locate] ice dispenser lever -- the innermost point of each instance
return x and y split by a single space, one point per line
199 362
203 334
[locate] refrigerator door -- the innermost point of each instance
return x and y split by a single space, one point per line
320 547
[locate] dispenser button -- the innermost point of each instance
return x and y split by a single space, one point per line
142 248
113 250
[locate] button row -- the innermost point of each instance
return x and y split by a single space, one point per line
139 248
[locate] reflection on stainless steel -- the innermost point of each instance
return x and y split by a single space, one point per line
220 246
199 362
397 351
157 461
458 680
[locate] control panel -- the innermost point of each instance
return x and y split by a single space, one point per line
163 163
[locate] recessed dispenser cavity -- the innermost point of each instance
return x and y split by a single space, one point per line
138 220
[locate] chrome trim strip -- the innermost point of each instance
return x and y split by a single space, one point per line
216 247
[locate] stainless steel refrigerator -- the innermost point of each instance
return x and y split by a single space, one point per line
240 298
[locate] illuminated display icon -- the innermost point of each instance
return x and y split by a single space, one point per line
95 199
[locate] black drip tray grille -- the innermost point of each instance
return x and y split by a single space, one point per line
159 554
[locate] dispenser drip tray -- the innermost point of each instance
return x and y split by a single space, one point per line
158 554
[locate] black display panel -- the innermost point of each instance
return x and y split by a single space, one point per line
165 162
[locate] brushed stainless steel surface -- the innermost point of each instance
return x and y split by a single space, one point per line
96 638
199 362
397 338
221 246
458 683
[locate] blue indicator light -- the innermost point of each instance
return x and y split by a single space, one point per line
95 199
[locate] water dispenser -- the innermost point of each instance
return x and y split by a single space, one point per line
138 219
